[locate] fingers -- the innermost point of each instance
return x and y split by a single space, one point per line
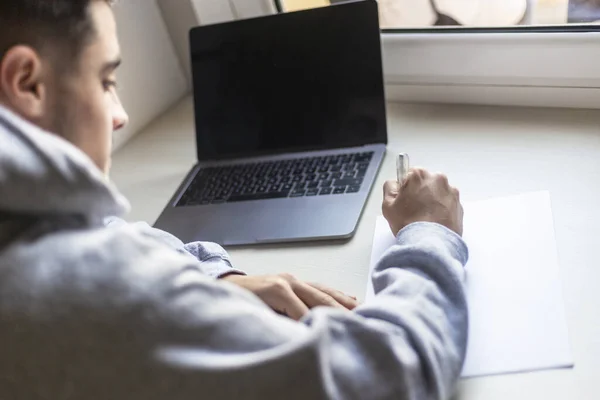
289 303
443 179
391 190
348 302
310 296
418 173
295 297
295 308
314 297
461 214
456 192
291 297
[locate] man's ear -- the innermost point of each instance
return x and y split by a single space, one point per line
21 82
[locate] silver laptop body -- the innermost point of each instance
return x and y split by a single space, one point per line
290 127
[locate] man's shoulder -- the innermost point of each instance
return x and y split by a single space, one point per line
101 265
89 246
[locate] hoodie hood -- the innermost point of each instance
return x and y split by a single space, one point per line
42 174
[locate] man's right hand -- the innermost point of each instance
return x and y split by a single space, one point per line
422 197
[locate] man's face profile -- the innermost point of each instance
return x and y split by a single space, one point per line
74 97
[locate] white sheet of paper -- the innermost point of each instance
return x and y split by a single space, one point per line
517 320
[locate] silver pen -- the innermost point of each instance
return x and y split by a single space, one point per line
402 167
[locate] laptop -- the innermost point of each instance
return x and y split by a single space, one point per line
290 124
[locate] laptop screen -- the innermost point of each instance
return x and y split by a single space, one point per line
289 82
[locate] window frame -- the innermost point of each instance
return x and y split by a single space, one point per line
551 66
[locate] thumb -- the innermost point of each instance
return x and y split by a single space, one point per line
391 189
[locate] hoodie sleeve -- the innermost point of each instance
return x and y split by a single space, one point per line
409 342
131 319
214 260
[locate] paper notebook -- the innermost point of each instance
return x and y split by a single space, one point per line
516 314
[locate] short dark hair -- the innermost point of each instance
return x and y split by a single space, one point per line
36 23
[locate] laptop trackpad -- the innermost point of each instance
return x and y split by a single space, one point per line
293 220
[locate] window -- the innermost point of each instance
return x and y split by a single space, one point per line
533 53
401 14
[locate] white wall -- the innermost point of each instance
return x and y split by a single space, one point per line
213 11
249 9
151 78
180 16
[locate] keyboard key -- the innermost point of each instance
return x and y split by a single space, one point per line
258 196
298 193
347 182
276 179
339 190
364 157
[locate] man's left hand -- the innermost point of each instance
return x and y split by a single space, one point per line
289 296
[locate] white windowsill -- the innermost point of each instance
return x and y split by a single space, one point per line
520 69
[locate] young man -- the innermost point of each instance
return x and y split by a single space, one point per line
94 308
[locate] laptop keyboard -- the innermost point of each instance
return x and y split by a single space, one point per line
304 177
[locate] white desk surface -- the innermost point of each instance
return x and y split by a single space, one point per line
486 152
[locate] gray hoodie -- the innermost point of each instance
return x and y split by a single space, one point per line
93 308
